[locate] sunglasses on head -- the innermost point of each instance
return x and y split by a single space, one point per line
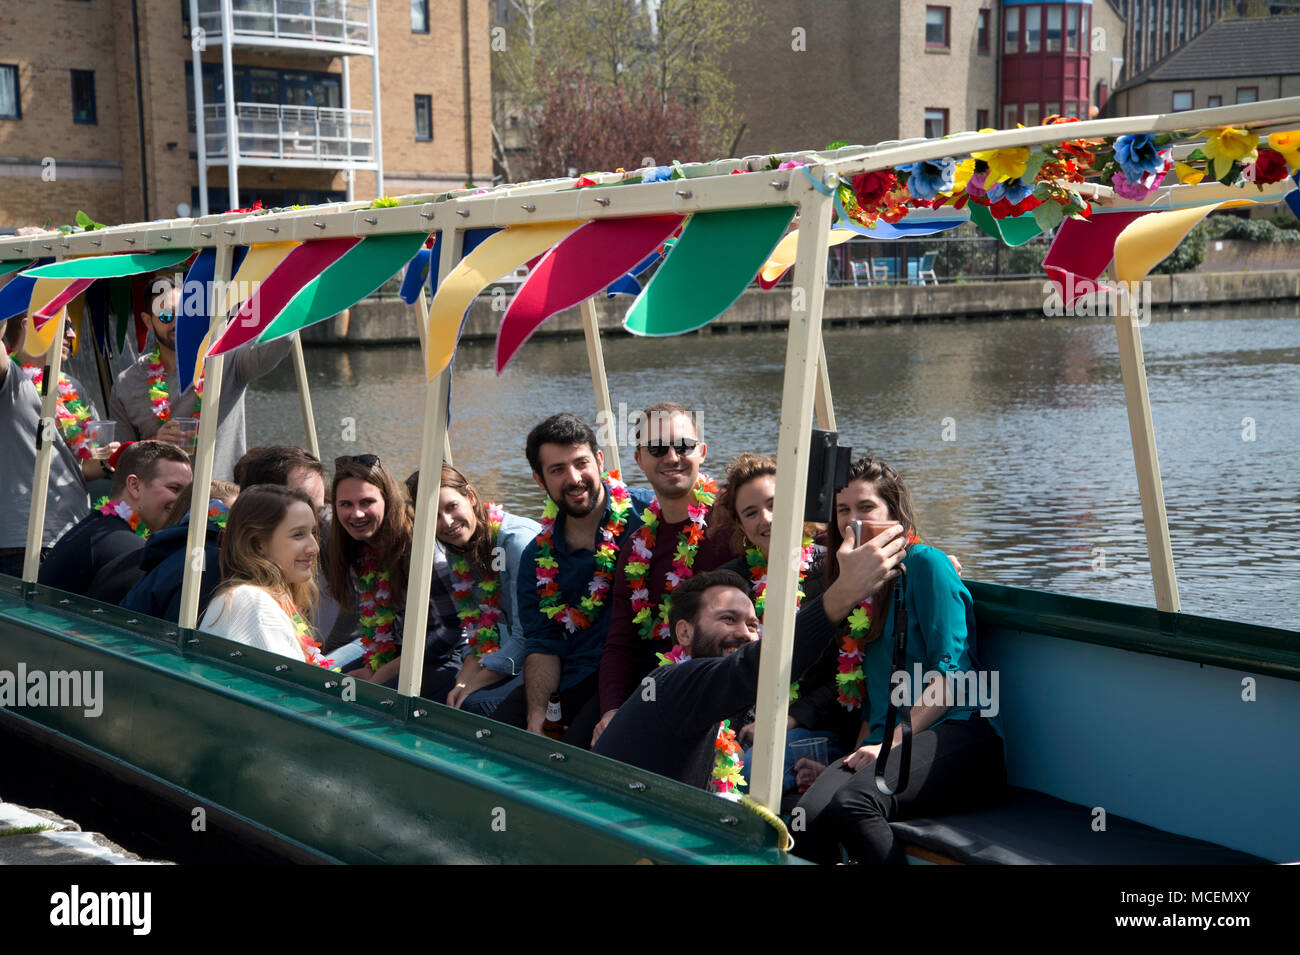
365 460
683 446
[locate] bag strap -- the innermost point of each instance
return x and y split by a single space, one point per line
904 713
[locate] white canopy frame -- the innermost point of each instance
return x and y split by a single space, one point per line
806 384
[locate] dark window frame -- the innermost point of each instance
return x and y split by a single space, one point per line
983 28
1242 89
1173 108
18 93
947 28
925 119
94 106
428 105
425 4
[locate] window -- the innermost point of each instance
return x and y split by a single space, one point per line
982 31
1033 28
1052 109
83 96
1031 114
936 123
1071 109
981 119
1009 116
1011 26
10 102
1183 99
419 16
1212 101
423 117
936 27
1247 94
1053 29
1072 28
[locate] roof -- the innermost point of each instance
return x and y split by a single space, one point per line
1251 46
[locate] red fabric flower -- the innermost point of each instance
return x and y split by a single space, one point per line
1269 167
870 188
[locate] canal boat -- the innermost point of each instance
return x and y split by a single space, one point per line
1130 730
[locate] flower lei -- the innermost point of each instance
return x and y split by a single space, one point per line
850 680
479 621
125 511
306 639
159 397
726 778
377 617
70 414
218 513
651 624
548 569
758 573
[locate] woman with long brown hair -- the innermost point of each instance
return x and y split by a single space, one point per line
268 570
484 545
956 754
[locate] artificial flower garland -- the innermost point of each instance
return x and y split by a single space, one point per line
757 562
218 513
159 397
654 626
377 618
548 569
479 620
125 511
70 414
850 681
728 761
306 639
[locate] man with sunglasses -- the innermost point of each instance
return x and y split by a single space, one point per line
669 452
140 414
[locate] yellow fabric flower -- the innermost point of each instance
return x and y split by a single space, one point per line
965 169
1288 144
1004 164
1228 144
1188 175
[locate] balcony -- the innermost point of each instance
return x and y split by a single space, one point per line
334 27
293 136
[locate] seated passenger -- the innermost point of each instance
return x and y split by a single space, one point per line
149 476
676 722
369 564
268 565
484 545
957 758
162 561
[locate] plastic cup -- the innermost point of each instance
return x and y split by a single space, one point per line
100 435
189 430
814 749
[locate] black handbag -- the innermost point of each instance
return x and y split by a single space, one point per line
895 713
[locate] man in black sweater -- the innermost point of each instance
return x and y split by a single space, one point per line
670 722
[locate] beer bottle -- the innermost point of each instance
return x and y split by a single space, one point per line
552 727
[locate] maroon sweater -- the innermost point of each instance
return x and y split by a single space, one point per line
628 657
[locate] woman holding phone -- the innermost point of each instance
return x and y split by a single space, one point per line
956 754
268 572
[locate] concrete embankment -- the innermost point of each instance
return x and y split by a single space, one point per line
390 321
41 837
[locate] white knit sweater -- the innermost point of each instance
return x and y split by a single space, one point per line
248 614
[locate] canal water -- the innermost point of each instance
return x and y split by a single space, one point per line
1012 434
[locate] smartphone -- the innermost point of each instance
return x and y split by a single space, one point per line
857 528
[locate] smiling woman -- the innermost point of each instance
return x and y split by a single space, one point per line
268 569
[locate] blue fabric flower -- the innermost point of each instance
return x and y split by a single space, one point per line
1013 190
1138 156
657 174
925 180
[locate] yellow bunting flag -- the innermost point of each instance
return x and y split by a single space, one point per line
1146 241
783 255
38 342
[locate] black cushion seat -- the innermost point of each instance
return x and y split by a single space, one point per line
1031 828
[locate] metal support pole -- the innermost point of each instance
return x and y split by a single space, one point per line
304 395
349 175
1138 402
377 124
200 122
420 578
46 439
596 358
232 123
795 433
199 493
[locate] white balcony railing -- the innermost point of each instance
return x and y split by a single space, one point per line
292 135
292 22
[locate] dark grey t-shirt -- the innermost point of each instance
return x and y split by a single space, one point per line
131 408
20 416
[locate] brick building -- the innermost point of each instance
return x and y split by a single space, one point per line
97 104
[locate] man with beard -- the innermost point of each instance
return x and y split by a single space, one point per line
670 724
565 577
654 562
147 399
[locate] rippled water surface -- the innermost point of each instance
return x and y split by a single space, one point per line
1035 488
